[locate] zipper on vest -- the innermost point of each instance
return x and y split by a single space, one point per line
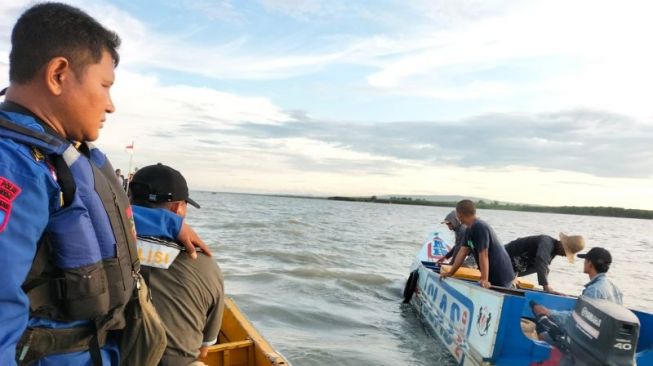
124 234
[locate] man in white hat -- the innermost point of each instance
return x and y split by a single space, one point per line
534 254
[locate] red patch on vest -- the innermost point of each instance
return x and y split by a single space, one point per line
8 193
130 216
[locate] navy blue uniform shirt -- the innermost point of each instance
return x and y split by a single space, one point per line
480 236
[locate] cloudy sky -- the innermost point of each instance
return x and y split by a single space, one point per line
545 102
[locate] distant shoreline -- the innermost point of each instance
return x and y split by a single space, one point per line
601 211
483 204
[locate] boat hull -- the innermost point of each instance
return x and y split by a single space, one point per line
481 326
464 319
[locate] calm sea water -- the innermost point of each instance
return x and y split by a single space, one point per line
322 280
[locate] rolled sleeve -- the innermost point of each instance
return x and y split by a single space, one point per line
542 259
214 316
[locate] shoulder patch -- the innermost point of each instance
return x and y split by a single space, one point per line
8 193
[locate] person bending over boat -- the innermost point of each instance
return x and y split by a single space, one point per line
533 254
188 294
459 230
492 258
596 265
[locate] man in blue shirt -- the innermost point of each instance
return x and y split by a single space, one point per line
61 69
596 265
492 258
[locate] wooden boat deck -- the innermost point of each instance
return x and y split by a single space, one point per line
240 344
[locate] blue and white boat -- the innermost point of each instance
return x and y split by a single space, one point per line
484 326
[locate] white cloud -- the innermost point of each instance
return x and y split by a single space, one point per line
600 44
301 9
442 63
222 10
151 113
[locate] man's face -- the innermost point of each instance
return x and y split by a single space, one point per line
467 220
450 226
181 211
586 265
86 100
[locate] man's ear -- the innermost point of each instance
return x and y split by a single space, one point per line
590 264
175 206
56 72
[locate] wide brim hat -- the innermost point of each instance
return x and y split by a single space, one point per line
572 244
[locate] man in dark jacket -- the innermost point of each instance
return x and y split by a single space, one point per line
459 230
533 254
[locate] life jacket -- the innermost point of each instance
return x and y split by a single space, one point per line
86 266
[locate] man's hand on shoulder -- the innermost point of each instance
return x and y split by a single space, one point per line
189 239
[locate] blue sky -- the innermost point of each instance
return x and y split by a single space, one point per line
533 101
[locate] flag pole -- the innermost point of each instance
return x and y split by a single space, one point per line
131 159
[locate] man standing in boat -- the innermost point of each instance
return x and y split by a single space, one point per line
492 258
188 294
533 254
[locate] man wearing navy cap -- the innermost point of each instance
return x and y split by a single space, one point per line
597 263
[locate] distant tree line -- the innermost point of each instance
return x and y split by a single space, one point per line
496 205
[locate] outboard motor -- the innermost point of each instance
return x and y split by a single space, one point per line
602 333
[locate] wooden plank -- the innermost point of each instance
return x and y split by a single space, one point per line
248 347
225 358
231 345
474 274
251 358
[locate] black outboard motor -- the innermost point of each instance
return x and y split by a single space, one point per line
602 333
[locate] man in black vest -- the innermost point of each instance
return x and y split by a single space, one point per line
61 69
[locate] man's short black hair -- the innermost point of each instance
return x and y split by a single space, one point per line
466 207
601 267
50 30
145 203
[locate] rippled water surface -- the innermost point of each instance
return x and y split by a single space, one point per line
322 280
